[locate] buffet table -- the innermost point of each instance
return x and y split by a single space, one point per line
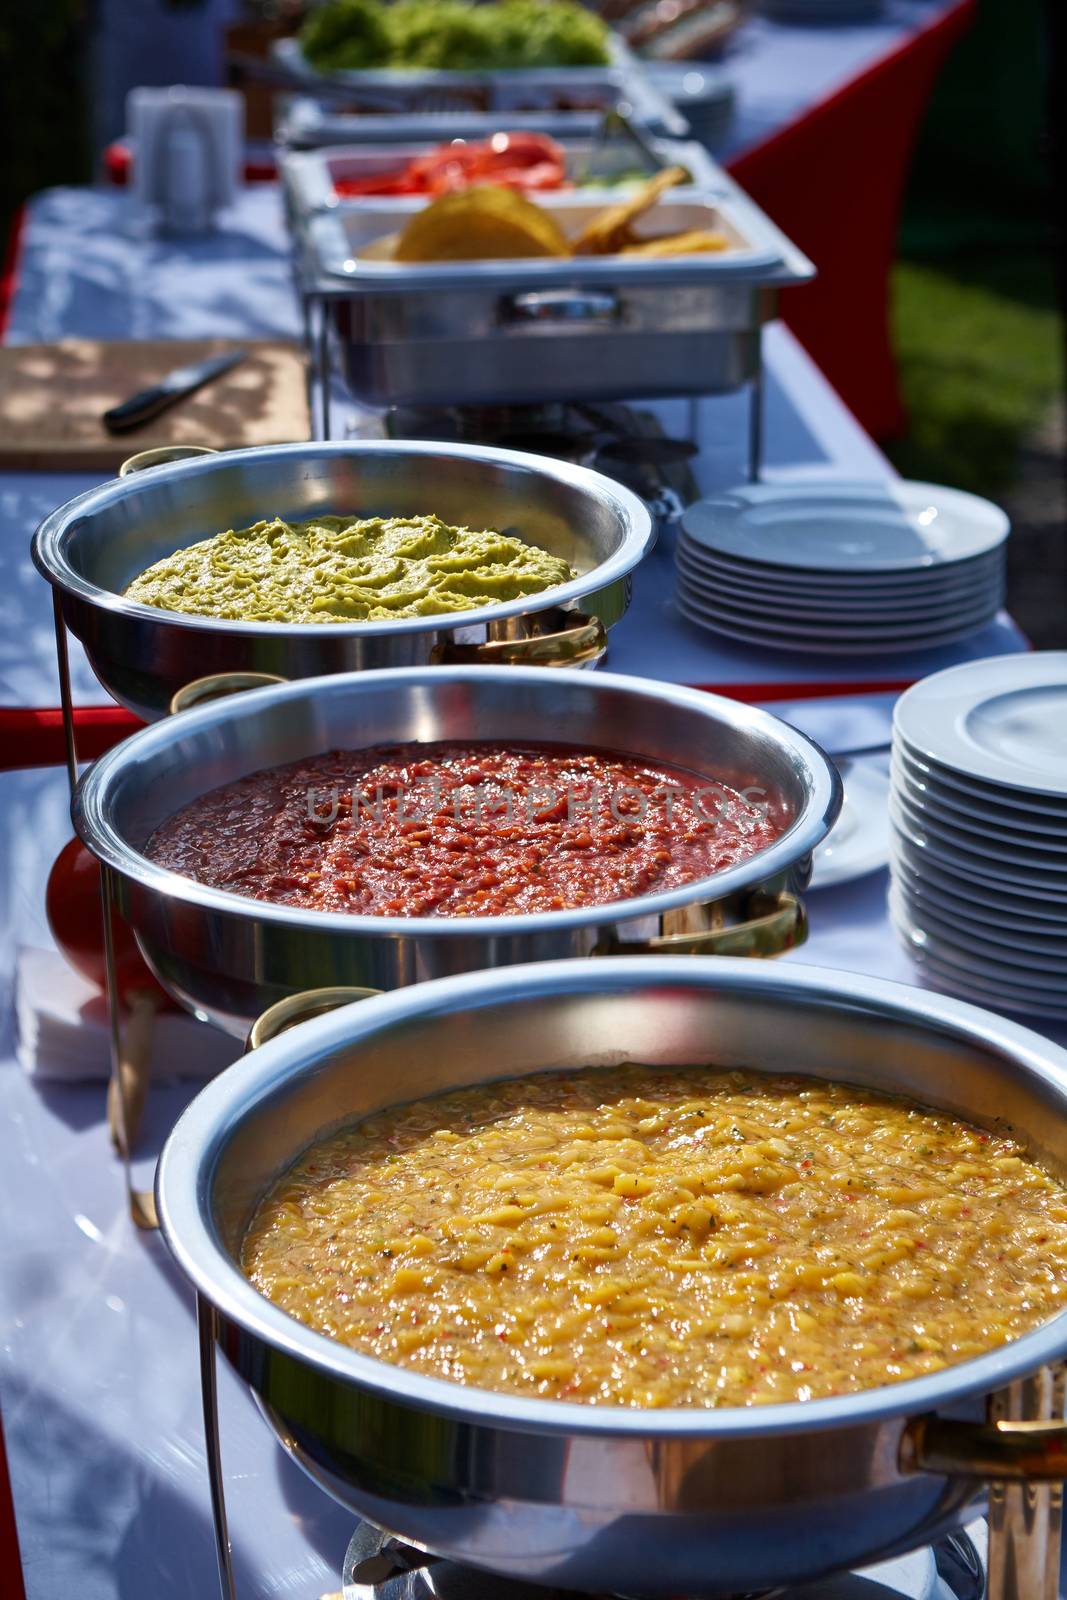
99 1377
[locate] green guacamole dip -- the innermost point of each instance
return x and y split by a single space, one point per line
333 569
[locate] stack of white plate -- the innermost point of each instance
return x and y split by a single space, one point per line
979 830
842 568
822 10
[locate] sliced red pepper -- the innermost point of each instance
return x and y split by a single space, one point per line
511 160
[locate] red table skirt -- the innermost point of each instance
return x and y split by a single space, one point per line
33 736
834 182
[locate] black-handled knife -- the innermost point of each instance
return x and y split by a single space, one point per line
148 403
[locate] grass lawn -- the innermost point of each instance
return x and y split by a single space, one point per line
980 349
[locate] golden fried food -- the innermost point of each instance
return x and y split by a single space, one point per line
381 249
481 224
605 233
694 242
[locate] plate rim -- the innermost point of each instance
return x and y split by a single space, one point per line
948 694
996 794
876 857
837 490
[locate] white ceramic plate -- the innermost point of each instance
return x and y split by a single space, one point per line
950 978
896 613
859 840
1007 828
1029 855
896 607
1013 814
1037 806
1026 908
842 631
986 967
867 647
928 900
926 580
987 868
893 526
974 953
1002 720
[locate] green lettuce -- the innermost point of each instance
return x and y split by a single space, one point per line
453 35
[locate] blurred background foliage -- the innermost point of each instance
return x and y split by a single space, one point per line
43 98
978 295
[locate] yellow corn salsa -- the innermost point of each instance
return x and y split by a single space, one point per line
648 1237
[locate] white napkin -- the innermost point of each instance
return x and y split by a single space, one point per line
63 1034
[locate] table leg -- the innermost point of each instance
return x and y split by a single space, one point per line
65 696
755 426
207 1327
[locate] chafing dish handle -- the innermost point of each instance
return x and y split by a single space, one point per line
1007 1451
297 1008
216 686
1021 1451
560 305
162 455
584 640
771 930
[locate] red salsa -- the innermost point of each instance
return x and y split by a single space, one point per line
456 830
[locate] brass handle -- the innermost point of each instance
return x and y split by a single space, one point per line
767 931
297 1008
584 640
161 455
1005 1452
1021 1451
217 685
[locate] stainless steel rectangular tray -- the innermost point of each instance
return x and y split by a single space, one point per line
340 239
305 124
385 106
309 176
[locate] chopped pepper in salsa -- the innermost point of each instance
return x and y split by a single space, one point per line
461 830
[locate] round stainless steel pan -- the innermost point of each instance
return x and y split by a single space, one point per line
91 549
700 1503
228 957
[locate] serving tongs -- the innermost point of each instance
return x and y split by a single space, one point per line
617 122
682 30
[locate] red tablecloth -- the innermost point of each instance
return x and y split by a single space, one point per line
834 181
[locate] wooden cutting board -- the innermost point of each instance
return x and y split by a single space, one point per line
52 397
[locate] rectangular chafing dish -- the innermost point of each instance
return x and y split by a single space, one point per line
348 107
513 332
